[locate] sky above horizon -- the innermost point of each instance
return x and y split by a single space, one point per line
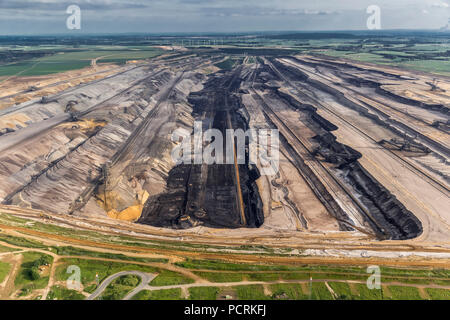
160 16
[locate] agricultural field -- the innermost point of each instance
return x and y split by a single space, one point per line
425 58
66 60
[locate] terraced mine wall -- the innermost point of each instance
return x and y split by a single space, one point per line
310 177
202 194
385 214
50 165
387 122
62 171
140 167
379 87
390 215
81 168
318 188
311 110
342 65
435 107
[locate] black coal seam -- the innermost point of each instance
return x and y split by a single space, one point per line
152 215
406 225
387 219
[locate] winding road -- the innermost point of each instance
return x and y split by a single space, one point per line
145 279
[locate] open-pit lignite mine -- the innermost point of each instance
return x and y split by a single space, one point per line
363 150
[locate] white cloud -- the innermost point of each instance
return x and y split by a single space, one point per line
440 4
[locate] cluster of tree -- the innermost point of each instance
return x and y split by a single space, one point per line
128 280
8 56
34 270
119 287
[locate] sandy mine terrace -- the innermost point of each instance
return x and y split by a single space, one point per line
16 90
363 156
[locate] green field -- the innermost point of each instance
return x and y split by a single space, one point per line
203 293
262 276
66 60
434 66
220 276
220 265
290 291
429 58
320 291
294 276
61 293
367 294
363 56
4 270
404 293
342 290
166 294
39 68
438 294
250 292
72 251
394 53
167 278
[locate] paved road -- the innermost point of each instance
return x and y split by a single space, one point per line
145 279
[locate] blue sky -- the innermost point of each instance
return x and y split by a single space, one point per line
154 16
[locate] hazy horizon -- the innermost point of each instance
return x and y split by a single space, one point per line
48 17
